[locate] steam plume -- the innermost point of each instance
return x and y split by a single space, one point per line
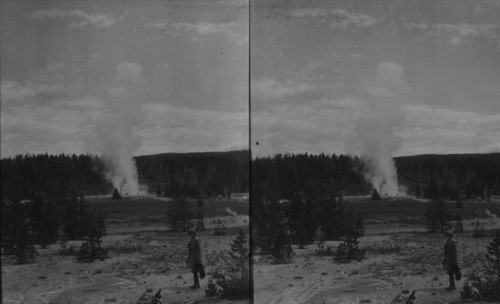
117 131
375 134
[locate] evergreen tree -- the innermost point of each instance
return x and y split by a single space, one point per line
178 214
348 250
281 249
200 223
116 194
330 216
220 229
493 254
240 254
376 195
95 229
459 227
437 216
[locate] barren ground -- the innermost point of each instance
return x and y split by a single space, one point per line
138 261
395 261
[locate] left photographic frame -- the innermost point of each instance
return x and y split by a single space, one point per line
125 151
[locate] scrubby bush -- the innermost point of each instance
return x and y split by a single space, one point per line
234 284
178 214
349 250
437 216
220 229
478 231
330 215
212 290
324 250
66 250
459 227
281 249
149 298
23 248
405 297
493 255
91 249
200 223
481 289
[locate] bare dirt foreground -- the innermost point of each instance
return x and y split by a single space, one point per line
138 261
397 261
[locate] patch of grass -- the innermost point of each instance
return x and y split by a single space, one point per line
125 248
382 250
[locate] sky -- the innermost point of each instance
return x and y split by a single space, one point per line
163 76
414 77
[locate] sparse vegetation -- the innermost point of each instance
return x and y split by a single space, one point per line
349 250
200 223
91 249
324 250
478 231
493 255
437 215
281 250
178 214
235 283
220 229
481 288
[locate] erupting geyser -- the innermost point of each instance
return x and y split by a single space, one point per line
117 130
375 133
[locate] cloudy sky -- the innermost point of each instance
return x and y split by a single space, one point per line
339 76
164 76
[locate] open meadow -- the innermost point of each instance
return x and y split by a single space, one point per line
139 259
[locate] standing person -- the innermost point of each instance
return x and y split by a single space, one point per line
450 259
194 257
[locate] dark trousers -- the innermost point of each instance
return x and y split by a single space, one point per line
452 280
196 278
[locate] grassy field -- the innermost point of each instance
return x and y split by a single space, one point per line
147 209
411 211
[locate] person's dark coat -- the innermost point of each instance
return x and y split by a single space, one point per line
450 255
194 253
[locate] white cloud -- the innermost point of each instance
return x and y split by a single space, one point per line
228 29
340 18
14 91
181 129
266 88
325 126
81 18
457 33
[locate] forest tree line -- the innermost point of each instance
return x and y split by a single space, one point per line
452 176
205 174
43 196
169 174
295 196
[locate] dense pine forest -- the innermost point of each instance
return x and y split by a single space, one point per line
43 196
463 176
294 195
169 174
207 174
452 176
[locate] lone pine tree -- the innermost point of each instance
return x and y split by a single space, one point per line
493 254
178 214
239 253
437 216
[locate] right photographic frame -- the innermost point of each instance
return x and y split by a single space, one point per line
375 143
